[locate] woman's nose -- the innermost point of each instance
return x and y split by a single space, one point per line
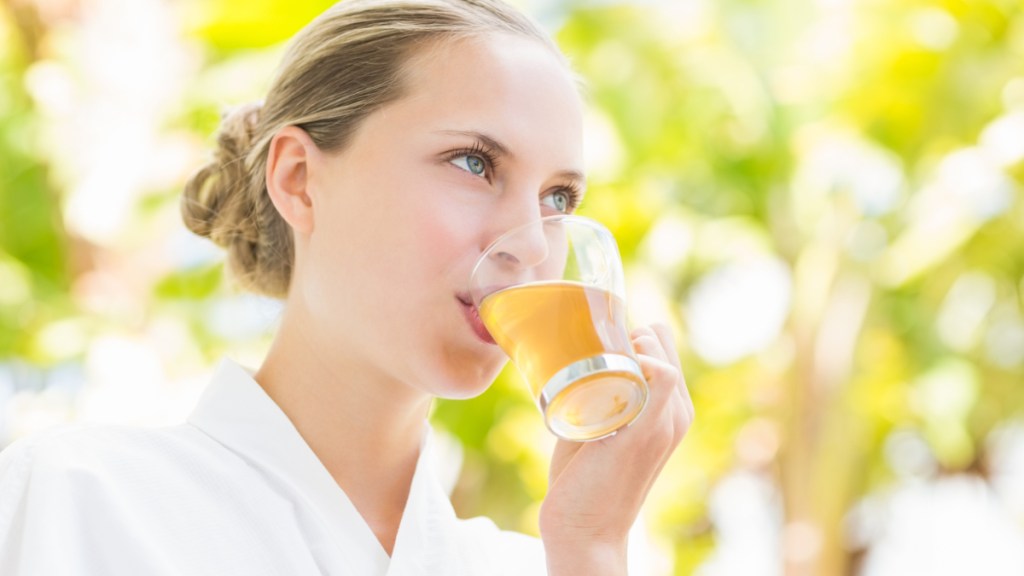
522 241
524 247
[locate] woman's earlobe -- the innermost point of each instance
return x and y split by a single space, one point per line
287 177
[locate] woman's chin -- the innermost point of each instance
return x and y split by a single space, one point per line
465 384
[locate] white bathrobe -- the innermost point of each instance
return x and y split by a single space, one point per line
235 490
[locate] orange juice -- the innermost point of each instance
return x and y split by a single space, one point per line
546 326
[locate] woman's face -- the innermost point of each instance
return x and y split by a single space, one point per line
487 137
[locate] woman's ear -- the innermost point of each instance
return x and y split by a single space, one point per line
288 159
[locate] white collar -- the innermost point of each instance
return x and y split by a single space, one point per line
236 411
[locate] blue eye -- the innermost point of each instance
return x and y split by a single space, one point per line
471 163
559 200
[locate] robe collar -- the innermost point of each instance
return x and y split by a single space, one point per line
235 411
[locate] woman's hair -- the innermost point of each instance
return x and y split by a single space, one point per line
342 66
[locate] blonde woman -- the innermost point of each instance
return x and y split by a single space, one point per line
398 139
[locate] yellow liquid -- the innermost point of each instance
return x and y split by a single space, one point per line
547 326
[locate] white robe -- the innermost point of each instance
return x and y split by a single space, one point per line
235 490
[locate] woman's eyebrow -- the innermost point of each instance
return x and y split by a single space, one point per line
484 139
572 175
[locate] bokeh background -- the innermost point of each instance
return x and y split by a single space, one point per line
824 197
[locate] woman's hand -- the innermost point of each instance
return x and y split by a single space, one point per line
596 488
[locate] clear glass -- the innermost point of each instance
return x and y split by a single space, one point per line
551 294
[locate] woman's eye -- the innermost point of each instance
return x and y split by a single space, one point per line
559 200
471 163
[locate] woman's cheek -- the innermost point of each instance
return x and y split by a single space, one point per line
449 230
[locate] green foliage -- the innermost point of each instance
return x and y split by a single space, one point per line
33 257
190 284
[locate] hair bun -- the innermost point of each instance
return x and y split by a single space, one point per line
238 127
217 198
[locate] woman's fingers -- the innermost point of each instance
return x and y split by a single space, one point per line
663 370
646 341
670 399
668 343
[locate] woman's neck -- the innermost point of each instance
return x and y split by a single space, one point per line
363 426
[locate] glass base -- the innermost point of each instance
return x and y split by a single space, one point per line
595 405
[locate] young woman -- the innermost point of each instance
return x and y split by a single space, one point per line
399 138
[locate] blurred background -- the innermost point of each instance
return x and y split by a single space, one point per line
824 197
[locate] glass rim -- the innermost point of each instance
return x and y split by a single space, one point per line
574 219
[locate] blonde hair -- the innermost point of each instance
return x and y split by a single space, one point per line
343 65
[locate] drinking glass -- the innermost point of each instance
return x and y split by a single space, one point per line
551 293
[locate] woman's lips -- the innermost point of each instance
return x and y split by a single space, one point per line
473 318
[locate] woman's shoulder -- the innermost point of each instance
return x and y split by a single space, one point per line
135 501
80 462
81 448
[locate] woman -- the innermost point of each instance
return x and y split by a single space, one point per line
398 140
